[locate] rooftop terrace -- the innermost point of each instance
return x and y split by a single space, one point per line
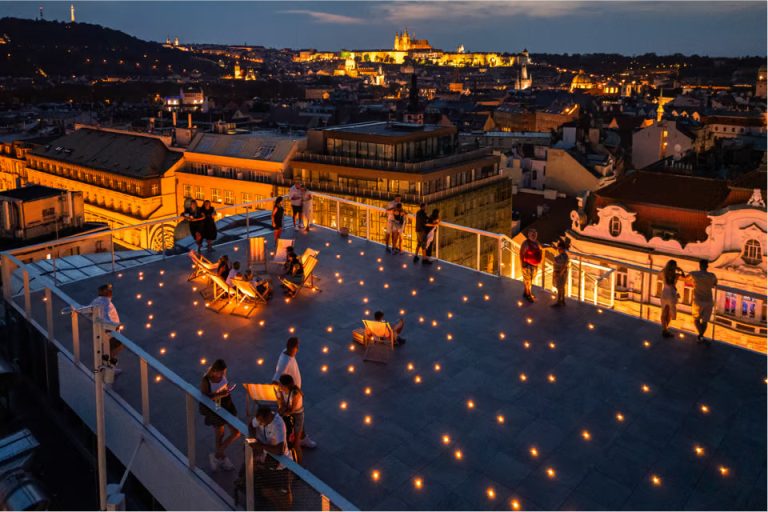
491 399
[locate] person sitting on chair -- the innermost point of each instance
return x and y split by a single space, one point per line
223 268
396 328
234 273
295 270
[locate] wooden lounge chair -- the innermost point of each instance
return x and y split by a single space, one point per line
221 292
307 282
248 297
307 253
379 341
257 254
281 254
201 266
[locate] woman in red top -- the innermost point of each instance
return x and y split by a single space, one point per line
530 258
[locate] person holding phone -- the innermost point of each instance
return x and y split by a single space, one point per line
215 386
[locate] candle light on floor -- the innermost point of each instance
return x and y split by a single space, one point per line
446 439
551 473
534 452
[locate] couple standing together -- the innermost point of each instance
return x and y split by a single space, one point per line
301 205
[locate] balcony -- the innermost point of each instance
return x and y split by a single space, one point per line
388 165
491 400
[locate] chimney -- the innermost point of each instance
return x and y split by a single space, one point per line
173 117
189 120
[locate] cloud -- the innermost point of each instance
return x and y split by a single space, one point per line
407 12
326 17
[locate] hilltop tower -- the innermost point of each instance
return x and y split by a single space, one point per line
71 13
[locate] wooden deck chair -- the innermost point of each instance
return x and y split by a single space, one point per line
307 282
379 341
259 394
248 297
201 266
307 253
257 254
221 292
281 254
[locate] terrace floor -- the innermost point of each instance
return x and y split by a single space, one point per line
608 409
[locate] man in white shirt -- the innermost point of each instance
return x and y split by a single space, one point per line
703 303
108 312
306 207
294 196
287 364
390 227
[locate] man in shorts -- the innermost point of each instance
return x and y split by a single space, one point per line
390 228
295 195
703 303
530 259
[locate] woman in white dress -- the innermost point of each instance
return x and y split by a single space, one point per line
669 276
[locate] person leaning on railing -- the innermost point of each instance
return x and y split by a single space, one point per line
108 312
530 259
214 385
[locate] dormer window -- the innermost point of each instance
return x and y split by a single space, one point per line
753 252
615 226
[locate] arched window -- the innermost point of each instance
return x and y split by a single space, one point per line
753 252
615 226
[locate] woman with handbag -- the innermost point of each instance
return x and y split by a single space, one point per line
290 405
215 386
669 276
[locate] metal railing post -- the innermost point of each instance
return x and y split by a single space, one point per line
144 390
436 241
98 379
250 501
27 294
713 316
367 224
54 269
570 278
112 249
478 252
191 440
581 281
498 256
49 314
75 333
338 215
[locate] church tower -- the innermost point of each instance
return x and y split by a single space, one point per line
71 13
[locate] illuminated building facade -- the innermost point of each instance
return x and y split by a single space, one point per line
125 178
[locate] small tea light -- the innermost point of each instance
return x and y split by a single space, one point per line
338 256
162 272
351 347
138 296
500 419
523 377
291 330
449 336
378 260
491 493
361 283
479 285
704 409
515 504
261 323
362 253
434 323
470 404
724 470
375 475
158 378
421 319
656 480
405 266
486 297
502 336
446 439
200 332
260 361
160 284
172 334
386 285
402 311
699 451
465 298
381 269
551 473
410 367
195 303
351 368
586 435
619 417
552 378
148 325
162 351
519 303
343 406
367 312
437 367
590 326
449 315
552 345
534 452
329 328
367 420
203 360
324 368
529 320
431 279
367 391
418 483
417 379
646 344
527 344
458 455
645 388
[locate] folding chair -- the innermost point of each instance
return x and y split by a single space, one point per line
221 292
257 254
248 297
281 253
307 282
379 341
201 266
307 253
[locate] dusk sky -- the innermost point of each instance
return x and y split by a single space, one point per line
706 28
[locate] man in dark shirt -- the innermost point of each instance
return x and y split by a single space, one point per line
422 230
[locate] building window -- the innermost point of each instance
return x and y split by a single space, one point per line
748 307
246 197
199 195
187 191
753 252
216 195
621 278
155 189
730 303
49 213
229 197
615 226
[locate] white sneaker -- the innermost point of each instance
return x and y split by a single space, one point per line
226 464
308 443
214 462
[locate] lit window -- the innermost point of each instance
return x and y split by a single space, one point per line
229 197
615 226
753 253
187 191
216 195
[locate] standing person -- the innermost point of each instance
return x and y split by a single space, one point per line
209 223
389 228
421 232
432 223
669 276
294 196
195 218
287 363
277 218
560 276
215 386
290 405
398 223
704 283
306 207
108 311
530 258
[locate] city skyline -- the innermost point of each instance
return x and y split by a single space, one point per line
727 29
